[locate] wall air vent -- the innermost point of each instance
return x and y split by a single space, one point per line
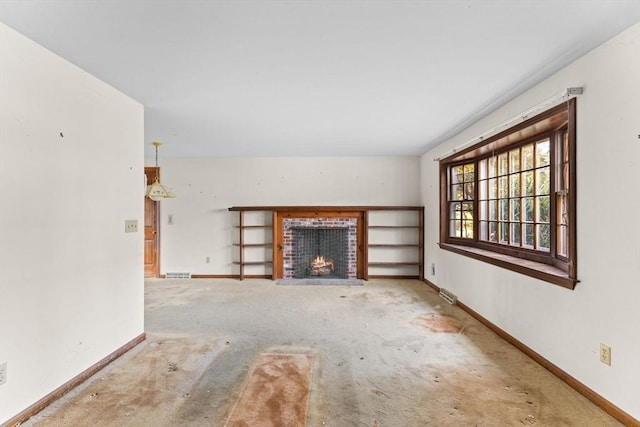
448 296
177 276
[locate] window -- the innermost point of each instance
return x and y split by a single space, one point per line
510 200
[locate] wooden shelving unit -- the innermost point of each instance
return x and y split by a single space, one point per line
242 262
405 233
407 237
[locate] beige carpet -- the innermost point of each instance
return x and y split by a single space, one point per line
389 353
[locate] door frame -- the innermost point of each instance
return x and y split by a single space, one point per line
151 172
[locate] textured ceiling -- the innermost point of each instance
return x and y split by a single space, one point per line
317 78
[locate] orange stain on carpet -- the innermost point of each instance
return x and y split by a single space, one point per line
276 393
438 323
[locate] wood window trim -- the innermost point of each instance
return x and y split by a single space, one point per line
538 270
552 269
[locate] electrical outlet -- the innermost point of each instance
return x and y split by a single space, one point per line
130 225
605 354
208 260
3 373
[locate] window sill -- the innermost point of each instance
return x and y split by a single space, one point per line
538 270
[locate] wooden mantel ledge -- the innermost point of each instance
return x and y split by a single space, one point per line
325 208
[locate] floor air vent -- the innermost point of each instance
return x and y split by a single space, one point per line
448 296
178 276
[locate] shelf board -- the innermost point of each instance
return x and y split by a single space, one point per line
326 208
394 245
392 264
253 263
254 245
254 226
393 226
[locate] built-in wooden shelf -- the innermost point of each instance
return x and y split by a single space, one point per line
253 263
394 245
242 227
393 226
404 233
398 238
382 264
325 208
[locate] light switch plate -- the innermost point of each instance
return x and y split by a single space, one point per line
130 225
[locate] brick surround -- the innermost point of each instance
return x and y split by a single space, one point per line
349 223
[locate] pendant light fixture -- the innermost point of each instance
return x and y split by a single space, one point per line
157 191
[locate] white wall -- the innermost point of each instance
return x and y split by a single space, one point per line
566 327
206 188
71 280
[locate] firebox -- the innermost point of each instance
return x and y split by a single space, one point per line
320 253
319 247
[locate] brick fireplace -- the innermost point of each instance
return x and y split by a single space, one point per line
321 244
320 248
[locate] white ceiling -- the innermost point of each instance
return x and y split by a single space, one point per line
317 78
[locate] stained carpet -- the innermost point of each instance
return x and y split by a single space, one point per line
276 394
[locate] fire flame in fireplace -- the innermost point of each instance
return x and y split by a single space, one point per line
320 266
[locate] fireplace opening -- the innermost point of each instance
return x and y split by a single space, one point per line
321 253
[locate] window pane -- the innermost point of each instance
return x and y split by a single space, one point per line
542 181
528 235
543 209
493 231
469 191
515 210
457 192
454 210
503 187
461 223
504 233
527 157
482 190
527 182
467 210
493 188
469 172
454 228
482 210
467 229
504 209
514 185
456 174
561 240
528 209
503 166
483 230
544 236
492 166
561 209
493 210
516 231
514 160
482 169
542 153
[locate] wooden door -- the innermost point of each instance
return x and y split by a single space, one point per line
151 229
